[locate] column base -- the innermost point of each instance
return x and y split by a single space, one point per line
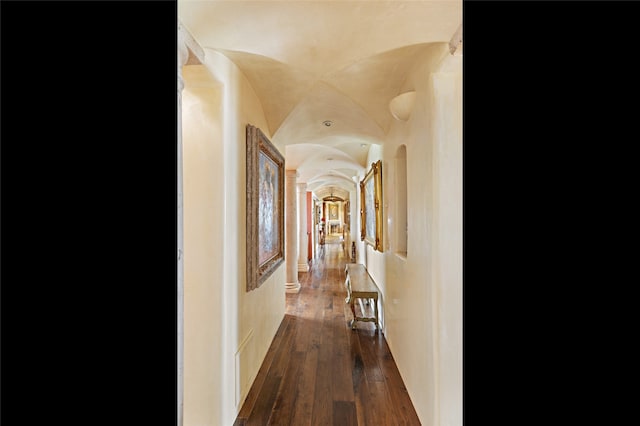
303 267
292 287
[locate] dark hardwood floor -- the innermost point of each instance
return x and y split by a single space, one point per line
320 372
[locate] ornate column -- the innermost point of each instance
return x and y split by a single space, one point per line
183 55
303 243
291 232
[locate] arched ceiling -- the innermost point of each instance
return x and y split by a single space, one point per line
313 61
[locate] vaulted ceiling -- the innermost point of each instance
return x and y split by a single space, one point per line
314 63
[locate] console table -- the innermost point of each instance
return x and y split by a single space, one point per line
360 285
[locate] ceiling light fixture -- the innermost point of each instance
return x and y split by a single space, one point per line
332 197
327 123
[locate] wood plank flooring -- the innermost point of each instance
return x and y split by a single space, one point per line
320 372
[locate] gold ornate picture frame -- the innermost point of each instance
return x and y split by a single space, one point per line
265 208
333 211
371 206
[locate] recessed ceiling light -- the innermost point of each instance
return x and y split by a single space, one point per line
327 123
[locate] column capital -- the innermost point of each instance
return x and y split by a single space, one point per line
183 51
190 46
291 173
189 52
183 55
455 44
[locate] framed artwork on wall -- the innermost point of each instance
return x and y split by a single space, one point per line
371 206
333 211
265 208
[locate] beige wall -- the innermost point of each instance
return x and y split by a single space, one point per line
447 271
422 293
227 330
202 151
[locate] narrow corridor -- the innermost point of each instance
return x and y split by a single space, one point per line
317 370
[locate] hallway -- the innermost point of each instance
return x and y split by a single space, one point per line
359 108
320 372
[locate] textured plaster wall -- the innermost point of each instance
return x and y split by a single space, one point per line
227 330
203 262
422 293
447 272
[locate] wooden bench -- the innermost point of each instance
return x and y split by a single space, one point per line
360 285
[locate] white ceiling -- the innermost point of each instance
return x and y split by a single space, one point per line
312 61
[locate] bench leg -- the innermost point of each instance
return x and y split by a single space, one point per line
353 311
347 284
375 310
